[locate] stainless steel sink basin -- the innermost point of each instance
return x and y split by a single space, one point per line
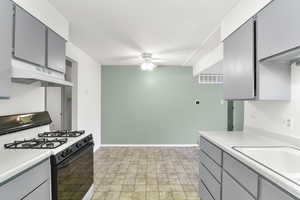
282 160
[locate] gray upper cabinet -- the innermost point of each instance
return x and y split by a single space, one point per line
29 38
56 52
239 63
6 24
278 28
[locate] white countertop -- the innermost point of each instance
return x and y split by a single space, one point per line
15 161
227 140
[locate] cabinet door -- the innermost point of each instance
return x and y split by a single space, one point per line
211 150
278 28
6 19
204 193
239 63
29 38
270 191
56 52
40 193
232 190
245 176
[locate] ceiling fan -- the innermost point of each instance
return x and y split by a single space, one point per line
148 62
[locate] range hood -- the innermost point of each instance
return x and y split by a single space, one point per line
27 74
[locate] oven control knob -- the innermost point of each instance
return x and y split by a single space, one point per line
78 145
65 153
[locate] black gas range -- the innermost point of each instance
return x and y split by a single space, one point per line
73 160
45 140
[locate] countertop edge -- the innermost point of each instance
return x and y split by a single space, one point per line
266 173
14 172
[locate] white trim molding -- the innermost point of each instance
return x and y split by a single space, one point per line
90 193
149 145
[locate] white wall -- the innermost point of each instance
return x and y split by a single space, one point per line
89 92
47 14
24 99
271 116
54 107
31 98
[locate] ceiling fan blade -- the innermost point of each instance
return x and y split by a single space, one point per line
177 50
158 60
124 58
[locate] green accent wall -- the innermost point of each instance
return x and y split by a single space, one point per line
158 107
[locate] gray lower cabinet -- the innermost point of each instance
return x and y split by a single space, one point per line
212 166
211 150
238 181
278 28
239 63
29 38
40 193
245 176
270 191
213 186
232 190
6 24
204 193
56 58
34 183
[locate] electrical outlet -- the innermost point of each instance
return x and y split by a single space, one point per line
289 123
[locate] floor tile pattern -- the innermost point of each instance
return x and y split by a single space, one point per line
146 173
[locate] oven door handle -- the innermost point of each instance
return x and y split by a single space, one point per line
74 157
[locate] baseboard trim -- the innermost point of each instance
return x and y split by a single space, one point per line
148 145
96 148
89 194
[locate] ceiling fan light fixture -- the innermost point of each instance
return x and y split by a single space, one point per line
148 66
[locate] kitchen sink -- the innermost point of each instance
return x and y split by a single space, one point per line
284 161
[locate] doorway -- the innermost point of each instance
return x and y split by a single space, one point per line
235 115
59 101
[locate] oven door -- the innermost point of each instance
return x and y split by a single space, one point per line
73 177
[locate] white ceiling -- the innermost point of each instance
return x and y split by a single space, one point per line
116 32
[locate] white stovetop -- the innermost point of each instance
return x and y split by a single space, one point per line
15 161
227 140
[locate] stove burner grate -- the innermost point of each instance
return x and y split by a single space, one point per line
64 133
36 143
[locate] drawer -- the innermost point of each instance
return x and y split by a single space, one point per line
214 168
244 175
42 192
213 186
270 191
204 194
211 150
232 190
25 183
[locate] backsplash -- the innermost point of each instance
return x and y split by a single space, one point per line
278 117
24 99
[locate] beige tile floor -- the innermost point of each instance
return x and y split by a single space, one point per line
124 173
